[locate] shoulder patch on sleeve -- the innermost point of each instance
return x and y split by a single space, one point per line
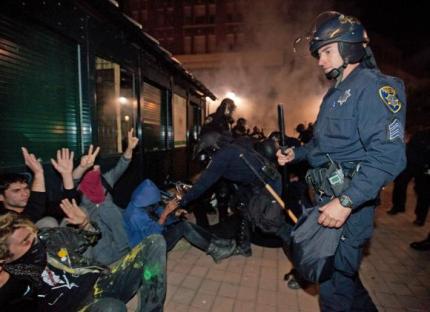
389 96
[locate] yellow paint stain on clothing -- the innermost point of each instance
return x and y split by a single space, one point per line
127 258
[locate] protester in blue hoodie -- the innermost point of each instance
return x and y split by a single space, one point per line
146 215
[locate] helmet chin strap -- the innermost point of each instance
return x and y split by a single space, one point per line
336 73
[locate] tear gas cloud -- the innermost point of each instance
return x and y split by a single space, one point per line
266 71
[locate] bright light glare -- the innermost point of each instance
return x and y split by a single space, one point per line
231 95
123 100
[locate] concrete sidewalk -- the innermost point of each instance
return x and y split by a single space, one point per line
397 277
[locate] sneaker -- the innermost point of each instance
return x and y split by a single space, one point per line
223 242
218 253
293 283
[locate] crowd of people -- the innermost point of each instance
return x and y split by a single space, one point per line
95 256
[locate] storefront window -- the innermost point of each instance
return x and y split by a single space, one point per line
116 106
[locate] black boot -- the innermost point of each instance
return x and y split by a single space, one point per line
294 281
421 245
218 252
244 239
394 210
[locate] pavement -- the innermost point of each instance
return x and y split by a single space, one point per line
396 276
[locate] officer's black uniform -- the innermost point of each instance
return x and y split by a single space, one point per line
219 122
401 183
227 164
420 152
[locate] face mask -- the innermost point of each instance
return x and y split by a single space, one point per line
91 186
31 265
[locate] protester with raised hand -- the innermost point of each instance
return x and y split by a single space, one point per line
18 196
87 161
96 188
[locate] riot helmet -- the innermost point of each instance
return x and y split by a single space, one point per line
349 34
209 143
226 107
267 148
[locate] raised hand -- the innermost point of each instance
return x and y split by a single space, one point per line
32 162
87 161
131 144
132 140
75 215
64 162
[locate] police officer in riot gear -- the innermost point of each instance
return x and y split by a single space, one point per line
226 163
221 120
359 128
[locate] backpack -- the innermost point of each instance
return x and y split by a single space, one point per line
264 212
313 247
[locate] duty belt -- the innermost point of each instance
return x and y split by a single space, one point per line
332 179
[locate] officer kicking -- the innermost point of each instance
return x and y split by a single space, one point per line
357 148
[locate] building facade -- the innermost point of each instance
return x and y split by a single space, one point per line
75 73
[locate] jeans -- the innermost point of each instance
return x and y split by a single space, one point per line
193 233
143 269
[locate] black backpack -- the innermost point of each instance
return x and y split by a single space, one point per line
313 247
264 212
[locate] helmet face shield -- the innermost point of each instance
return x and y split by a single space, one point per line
332 27
302 43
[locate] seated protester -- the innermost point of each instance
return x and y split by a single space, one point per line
145 216
15 194
97 201
47 268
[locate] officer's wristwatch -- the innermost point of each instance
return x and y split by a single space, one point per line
345 201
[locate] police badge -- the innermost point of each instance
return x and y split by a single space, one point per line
344 97
389 96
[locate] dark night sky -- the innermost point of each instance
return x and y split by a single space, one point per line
395 19
405 24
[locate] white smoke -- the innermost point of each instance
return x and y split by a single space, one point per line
266 72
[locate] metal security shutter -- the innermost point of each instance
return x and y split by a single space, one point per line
152 122
39 91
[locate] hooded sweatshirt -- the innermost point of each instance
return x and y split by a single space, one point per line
142 213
